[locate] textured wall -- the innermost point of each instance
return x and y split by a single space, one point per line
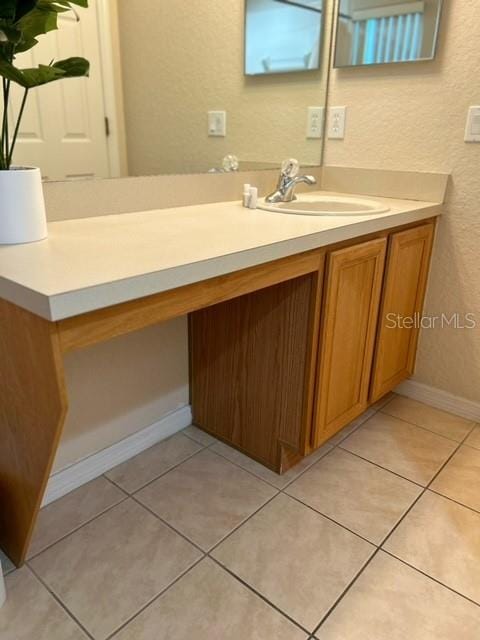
412 117
185 58
121 386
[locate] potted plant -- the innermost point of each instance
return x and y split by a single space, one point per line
22 207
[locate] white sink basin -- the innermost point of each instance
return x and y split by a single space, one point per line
316 205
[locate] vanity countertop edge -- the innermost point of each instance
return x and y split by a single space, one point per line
92 263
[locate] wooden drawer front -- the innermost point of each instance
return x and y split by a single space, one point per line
350 313
404 295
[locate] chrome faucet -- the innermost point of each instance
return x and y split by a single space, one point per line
287 182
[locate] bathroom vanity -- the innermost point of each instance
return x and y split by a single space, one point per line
291 332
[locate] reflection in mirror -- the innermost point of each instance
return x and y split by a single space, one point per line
386 31
282 36
168 92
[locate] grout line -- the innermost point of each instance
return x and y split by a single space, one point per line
163 473
84 524
381 546
164 522
345 591
375 464
260 595
215 546
460 504
413 424
278 492
154 599
126 496
274 486
442 467
442 584
323 515
470 446
59 601
200 444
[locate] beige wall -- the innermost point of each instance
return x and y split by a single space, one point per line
123 386
412 117
181 59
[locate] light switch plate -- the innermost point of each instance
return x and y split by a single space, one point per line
336 122
217 123
472 130
315 120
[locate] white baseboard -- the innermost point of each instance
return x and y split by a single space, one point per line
440 399
81 472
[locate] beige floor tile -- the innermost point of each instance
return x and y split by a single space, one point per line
473 439
31 613
206 497
63 516
110 568
411 452
442 539
441 422
202 437
209 604
356 494
392 601
296 558
278 481
7 564
460 479
350 428
148 465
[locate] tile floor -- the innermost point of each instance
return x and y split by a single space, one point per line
376 536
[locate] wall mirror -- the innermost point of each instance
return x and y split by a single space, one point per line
282 36
158 69
386 31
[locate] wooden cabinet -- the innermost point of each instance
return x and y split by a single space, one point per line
253 363
279 371
348 328
404 293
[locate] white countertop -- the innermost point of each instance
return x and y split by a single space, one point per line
96 262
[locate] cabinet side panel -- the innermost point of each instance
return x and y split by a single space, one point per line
32 411
250 364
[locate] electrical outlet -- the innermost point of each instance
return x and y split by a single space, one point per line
315 119
336 122
472 130
217 123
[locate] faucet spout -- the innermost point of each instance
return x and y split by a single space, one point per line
285 191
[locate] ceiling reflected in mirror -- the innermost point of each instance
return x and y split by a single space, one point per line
283 36
386 31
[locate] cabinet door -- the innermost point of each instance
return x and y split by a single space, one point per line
404 294
349 321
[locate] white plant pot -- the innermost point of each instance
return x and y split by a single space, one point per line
22 206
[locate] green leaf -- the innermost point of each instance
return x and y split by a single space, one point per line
23 7
73 67
8 71
9 34
44 74
8 9
37 22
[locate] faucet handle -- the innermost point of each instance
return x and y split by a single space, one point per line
290 168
